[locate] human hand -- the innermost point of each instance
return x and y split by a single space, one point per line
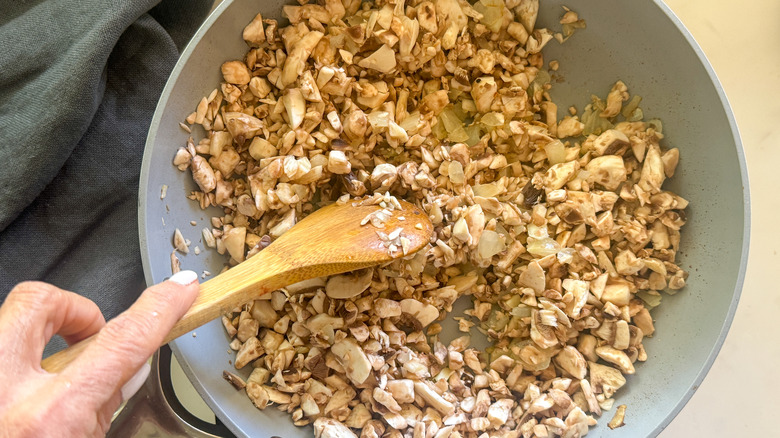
80 400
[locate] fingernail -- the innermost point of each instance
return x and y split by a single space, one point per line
134 384
184 277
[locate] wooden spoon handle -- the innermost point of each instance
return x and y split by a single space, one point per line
265 272
59 360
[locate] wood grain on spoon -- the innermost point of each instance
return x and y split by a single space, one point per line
327 242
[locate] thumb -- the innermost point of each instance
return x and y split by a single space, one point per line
127 341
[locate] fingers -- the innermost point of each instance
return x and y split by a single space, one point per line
77 318
90 389
33 312
127 341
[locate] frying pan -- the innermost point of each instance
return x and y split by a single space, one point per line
641 43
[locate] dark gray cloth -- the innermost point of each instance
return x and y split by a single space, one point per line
79 82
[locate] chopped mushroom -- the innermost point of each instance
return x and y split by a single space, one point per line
242 126
615 99
606 379
590 397
338 163
203 174
253 32
670 159
349 285
653 171
559 174
483 91
296 60
617 357
570 127
236 72
353 359
533 277
609 142
234 240
330 428
233 379
571 361
607 170
250 350
618 419
425 314
179 243
382 60
402 390
295 106
433 398
560 231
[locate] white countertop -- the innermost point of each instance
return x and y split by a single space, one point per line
742 41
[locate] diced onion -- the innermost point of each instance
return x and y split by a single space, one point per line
378 119
468 106
457 108
488 190
444 374
542 247
450 119
521 311
456 172
439 131
542 78
594 124
631 106
492 13
636 116
490 244
458 135
454 94
474 135
569 28
556 152
537 232
651 300
497 320
566 255
493 119
410 122
657 125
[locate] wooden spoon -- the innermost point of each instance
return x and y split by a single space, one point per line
327 242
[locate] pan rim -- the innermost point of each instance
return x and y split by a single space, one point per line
739 283
746 229
143 193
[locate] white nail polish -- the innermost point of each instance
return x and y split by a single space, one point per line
134 384
184 277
